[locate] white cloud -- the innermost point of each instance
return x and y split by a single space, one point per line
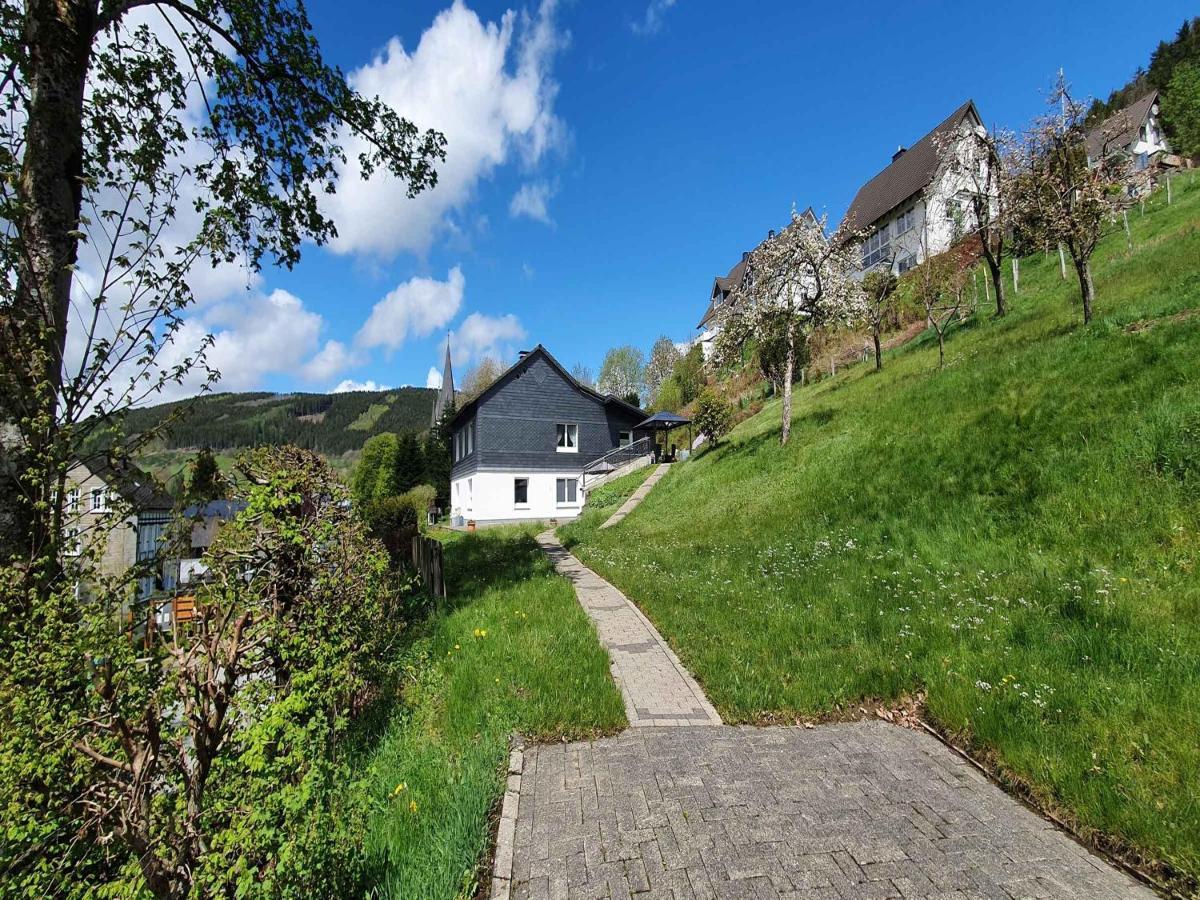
480 335
333 359
416 308
433 379
487 87
652 21
532 200
351 385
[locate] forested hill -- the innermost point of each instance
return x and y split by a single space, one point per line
328 423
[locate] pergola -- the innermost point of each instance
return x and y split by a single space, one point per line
664 422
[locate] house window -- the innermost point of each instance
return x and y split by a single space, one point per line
906 222
568 439
520 491
99 500
905 263
876 247
73 500
567 490
625 439
73 546
470 438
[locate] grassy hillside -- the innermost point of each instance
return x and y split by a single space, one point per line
335 425
1017 535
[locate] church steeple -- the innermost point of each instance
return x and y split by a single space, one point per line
445 397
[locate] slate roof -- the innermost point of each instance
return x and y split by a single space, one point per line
723 286
137 488
1120 129
907 175
521 364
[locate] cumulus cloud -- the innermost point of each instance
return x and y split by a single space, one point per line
481 335
333 359
652 21
532 200
348 385
487 87
433 379
415 308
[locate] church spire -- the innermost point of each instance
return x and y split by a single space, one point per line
445 397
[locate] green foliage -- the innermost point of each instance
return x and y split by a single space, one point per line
1015 536
772 347
623 372
375 476
1181 107
669 396
438 460
328 423
514 652
689 374
205 482
392 521
410 465
713 415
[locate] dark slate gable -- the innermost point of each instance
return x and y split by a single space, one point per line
515 420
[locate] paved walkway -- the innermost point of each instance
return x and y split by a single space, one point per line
866 809
638 496
842 811
657 689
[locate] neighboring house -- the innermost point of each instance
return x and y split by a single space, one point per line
445 396
722 295
1135 133
521 446
916 207
122 507
207 519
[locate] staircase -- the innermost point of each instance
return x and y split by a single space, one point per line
616 463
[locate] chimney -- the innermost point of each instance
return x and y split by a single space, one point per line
745 255
770 234
900 151
521 355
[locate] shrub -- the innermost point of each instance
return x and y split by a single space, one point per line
713 416
392 521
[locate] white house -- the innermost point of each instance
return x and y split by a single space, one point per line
917 206
521 448
1136 133
723 293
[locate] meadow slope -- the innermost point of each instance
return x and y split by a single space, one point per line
1017 536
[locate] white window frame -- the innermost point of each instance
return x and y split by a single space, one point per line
73 545
875 247
99 500
517 504
566 437
904 263
905 222
624 438
73 499
569 486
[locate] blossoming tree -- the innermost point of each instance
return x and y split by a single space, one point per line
795 281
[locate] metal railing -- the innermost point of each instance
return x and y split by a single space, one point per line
615 459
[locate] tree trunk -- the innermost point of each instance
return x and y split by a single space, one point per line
786 431
993 257
878 350
1087 290
941 348
50 189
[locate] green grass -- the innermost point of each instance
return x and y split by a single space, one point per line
1016 535
605 500
515 652
367 419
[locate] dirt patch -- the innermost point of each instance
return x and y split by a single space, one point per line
1146 324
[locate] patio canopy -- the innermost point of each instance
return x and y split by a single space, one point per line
663 421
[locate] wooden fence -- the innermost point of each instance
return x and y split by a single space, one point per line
427 560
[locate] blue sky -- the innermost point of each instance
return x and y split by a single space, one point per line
608 159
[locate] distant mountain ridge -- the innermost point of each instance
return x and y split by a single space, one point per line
328 423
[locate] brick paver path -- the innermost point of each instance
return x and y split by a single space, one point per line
638 496
858 810
657 689
840 811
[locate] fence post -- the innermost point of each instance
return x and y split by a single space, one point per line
1128 236
1168 189
1062 262
1016 276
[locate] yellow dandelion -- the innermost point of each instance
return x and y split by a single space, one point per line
402 786
457 647
412 807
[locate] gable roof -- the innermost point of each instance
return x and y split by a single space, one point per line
732 281
137 488
909 173
1120 129
521 365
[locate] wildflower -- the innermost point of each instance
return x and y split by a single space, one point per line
400 788
457 647
412 807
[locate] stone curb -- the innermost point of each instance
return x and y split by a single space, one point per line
502 863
